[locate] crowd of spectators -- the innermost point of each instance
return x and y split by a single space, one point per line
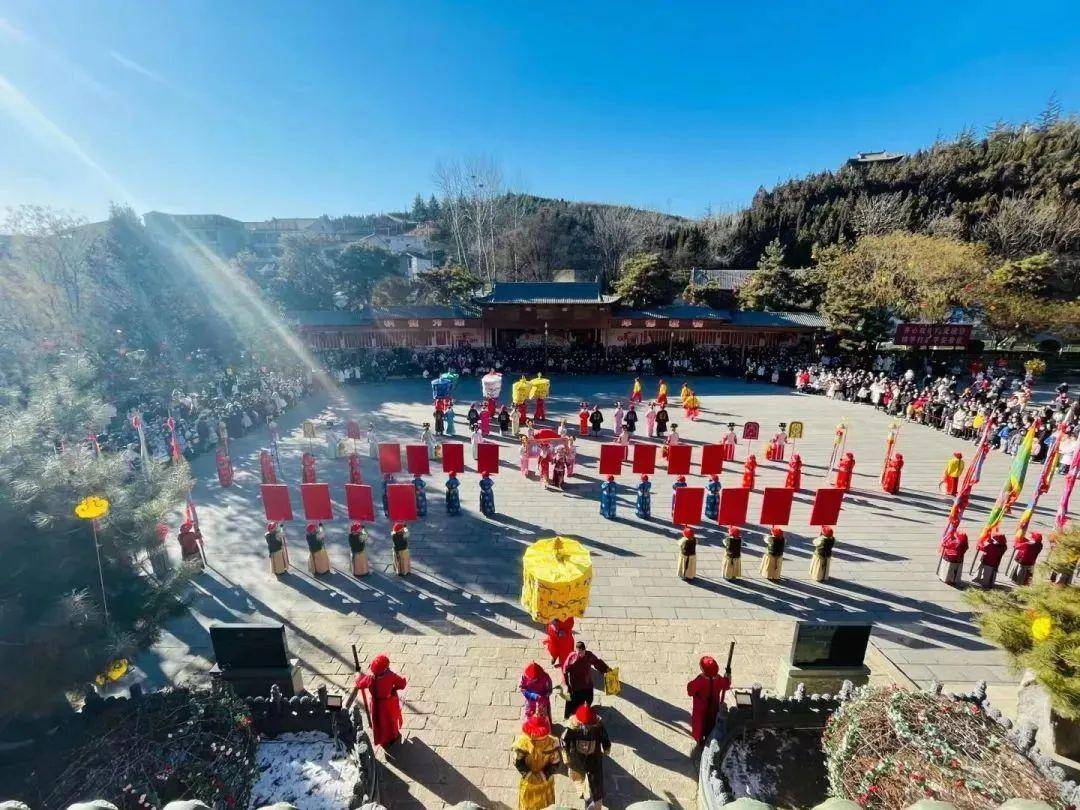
217 399
957 403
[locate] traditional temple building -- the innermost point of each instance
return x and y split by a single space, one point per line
554 314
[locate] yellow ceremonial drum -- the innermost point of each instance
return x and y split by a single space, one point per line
520 391
539 387
556 578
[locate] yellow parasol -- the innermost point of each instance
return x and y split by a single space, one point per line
92 508
539 387
520 391
556 578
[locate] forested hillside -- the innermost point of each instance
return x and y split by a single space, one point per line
1017 190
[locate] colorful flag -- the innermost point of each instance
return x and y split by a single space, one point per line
1070 481
1015 483
971 477
1049 468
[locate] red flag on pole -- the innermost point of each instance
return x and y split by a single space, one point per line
276 503
678 460
686 508
644 459
712 459
453 458
416 456
487 458
733 504
776 506
316 499
401 502
359 502
611 459
389 458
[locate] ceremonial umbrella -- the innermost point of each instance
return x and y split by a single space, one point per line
92 508
556 578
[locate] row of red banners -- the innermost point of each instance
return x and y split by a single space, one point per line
686 508
612 458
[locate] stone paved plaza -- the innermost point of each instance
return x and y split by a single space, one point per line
455 630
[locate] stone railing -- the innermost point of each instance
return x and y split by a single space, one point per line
753 710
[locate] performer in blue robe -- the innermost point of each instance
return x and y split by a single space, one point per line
453 499
712 499
644 498
487 495
450 417
608 503
679 484
421 496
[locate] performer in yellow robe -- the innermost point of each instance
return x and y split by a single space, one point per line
536 755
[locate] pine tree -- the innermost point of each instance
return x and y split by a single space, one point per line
772 285
419 210
52 622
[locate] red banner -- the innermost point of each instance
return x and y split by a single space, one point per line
453 458
826 509
359 502
401 502
276 503
611 458
644 459
390 458
678 459
733 504
712 459
487 458
751 430
316 499
776 506
352 429
416 456
932 334
686 510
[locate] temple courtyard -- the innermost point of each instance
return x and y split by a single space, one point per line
455 630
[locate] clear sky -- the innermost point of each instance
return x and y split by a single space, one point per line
258 109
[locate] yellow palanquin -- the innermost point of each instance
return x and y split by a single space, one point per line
556 578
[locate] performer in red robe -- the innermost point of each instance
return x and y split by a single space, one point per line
707 691
190 540
355 476
891 481
1027 551
794 473
540 411
523 414
307 463
749 472
583 419
266 466
383 684
560 640
844 472
224 467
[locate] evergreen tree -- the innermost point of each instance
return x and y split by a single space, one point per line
448 286
419 210
52 620
646 280
772 286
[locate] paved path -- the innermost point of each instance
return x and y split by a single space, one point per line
456 631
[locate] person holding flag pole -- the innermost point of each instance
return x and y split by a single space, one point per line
890 446
839 443
1012 487
1062 515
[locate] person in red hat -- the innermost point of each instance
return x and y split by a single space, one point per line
276 548
990 549
399 537
950 476
822 559
536 755
890 482
773 559
794 473
749 474
732 554
951 564
687 569
1027 552
318 559
383 684
707 694
560 640
578 677
535 687
585 742
190 540
844 471
358 537
307 468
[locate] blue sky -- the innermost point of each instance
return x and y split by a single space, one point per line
289 109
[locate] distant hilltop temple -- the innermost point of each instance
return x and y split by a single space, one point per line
875 158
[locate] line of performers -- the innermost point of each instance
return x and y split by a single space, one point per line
451 497
277 548
989 552
772 561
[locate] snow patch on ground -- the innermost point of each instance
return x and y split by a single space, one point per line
744 770
306 769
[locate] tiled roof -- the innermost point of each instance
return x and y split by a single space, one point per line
369 314
676 311
546 292
753 318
